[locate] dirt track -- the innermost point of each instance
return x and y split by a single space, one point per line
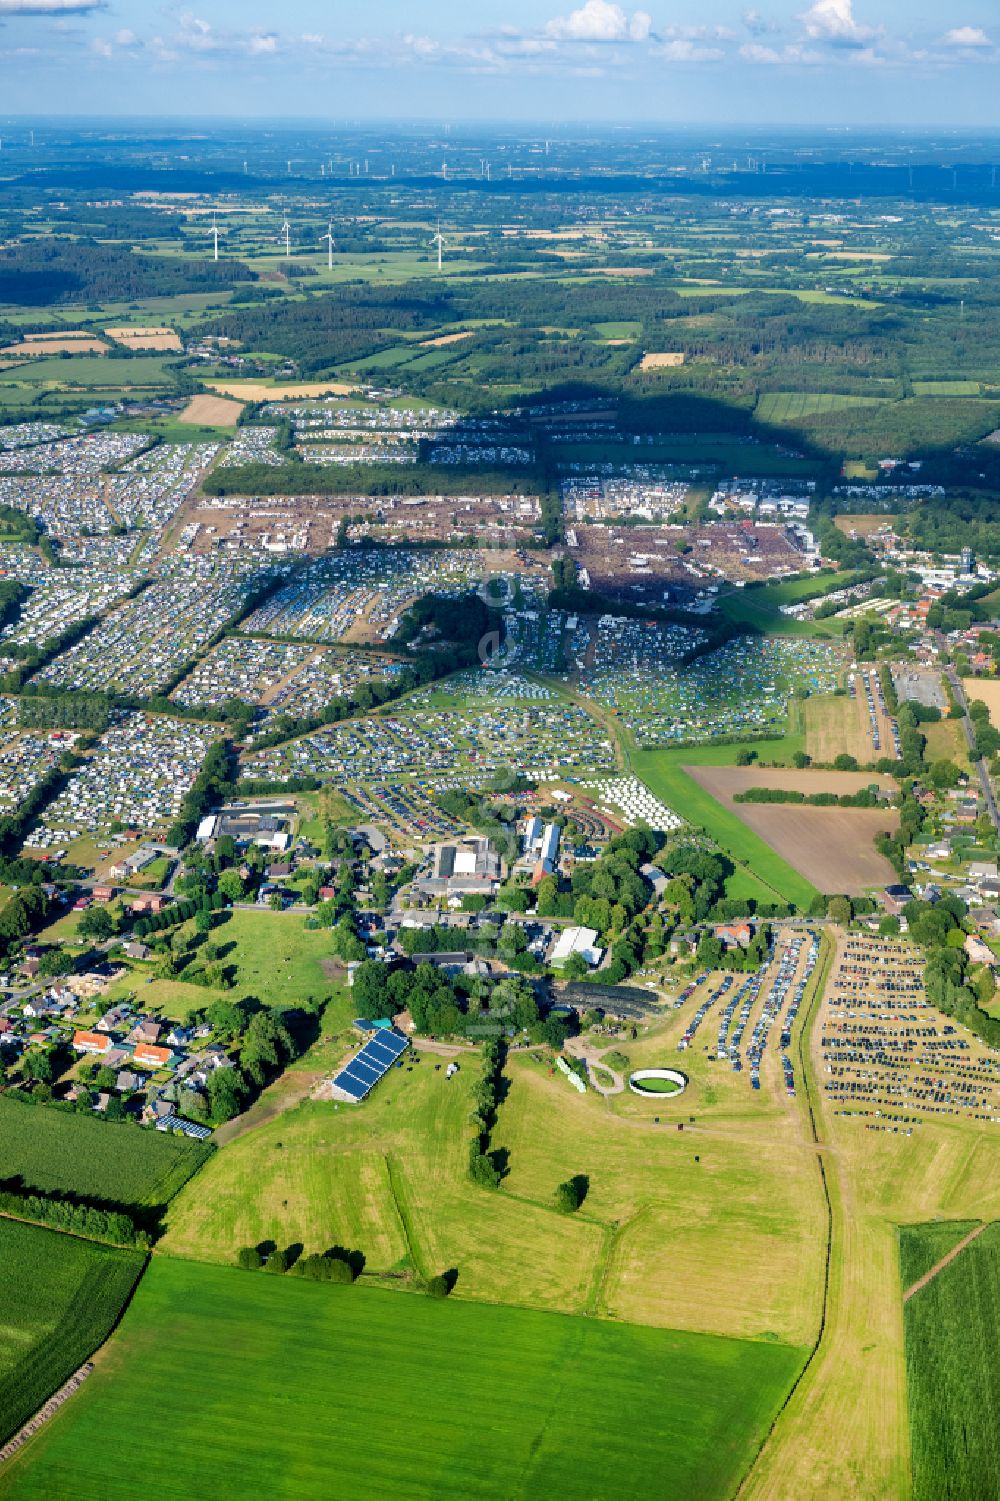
939 1266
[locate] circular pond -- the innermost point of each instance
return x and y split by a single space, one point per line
659 1083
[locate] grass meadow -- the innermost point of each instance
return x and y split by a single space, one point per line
277 959
667 1214
275 1387
952 1371
761 606
62 1298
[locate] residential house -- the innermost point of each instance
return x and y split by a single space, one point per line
735 935
147 1056
91 1042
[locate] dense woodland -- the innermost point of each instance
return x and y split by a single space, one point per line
40 272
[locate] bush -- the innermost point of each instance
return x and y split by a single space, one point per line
249 1258
571 1194
439 1287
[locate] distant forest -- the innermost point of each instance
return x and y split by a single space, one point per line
41 272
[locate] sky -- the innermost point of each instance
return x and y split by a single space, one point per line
808 62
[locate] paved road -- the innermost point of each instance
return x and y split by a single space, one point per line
981 766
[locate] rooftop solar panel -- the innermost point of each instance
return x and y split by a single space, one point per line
365 1069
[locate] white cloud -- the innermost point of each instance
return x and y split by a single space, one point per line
967 37
683 50
50 7
599 21
791 55
833 21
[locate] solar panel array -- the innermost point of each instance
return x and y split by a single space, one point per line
375 1059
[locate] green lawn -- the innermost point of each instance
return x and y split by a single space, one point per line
239 1384
952 1371
60 1151
62 1297
664 774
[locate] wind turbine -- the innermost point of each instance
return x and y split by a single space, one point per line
438 240
286 230
328 237
215 238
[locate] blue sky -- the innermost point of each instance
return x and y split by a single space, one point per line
905 62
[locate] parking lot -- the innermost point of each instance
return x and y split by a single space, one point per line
888 1060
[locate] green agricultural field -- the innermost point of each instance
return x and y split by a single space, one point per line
952 1372
789 406
663 773
382 1395
947 388
619 330
60 1151
62 1298
90 370
922 1246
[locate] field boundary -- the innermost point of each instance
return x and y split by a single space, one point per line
30 1428
403 1215
829 949
939 1266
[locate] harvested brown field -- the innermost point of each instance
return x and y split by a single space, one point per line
211 411
862 525
145 338
616 270
443 339
664 361
987 690
61 343
832 847
836 724
250 390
